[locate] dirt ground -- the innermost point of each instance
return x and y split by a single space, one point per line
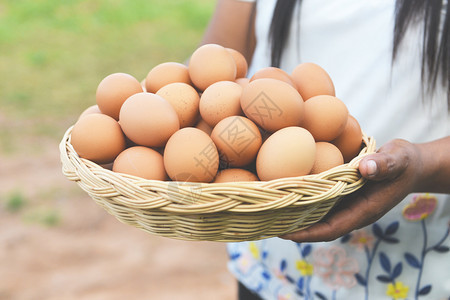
88 254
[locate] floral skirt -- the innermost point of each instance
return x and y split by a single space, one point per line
405 255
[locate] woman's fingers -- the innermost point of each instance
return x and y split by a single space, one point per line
391 173
389 162
342 221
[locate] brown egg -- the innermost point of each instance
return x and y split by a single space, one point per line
241 62
350 140
327 156
242 81
209 64
272 104
235 175
93 109
286 153
237 139
184 99
325 117
220 100
97 137
148 120
203 126
165 73
113 90
312 80
142 162
190 155
275 73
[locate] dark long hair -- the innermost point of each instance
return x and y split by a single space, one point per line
436 48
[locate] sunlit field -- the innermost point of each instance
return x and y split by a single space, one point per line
54 53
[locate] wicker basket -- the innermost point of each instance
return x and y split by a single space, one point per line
223 212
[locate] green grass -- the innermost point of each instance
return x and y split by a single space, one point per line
55 52
42 206
15 201
43 216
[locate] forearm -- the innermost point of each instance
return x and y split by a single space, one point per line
232 26
435 160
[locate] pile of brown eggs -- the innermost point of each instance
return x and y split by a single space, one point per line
207 122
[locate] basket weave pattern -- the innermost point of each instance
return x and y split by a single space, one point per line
223 212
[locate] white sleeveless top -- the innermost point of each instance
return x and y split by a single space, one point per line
404 255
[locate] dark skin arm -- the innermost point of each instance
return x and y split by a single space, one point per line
396 170
232 26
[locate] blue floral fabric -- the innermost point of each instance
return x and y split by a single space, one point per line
405 255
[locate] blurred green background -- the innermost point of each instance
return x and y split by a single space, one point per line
53 54
55 242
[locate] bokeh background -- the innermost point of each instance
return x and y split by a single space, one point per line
55 242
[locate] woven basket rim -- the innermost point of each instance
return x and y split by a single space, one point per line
345 172
226 212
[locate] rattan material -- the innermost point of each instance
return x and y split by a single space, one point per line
223 212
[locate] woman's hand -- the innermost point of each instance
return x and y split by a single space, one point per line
397 169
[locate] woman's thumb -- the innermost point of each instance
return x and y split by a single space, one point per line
389 162
379 166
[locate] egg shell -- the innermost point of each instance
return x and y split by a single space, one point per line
327 156
141 161
184 99
235 175
113 90
242 81
97 137
211 63
325 117
148 120
203 126
350 140
220 100
190 155
275 73
312 80
272 104
241 62
288 152
237 139
93 109
165 73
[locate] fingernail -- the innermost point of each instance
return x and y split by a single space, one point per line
371 167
